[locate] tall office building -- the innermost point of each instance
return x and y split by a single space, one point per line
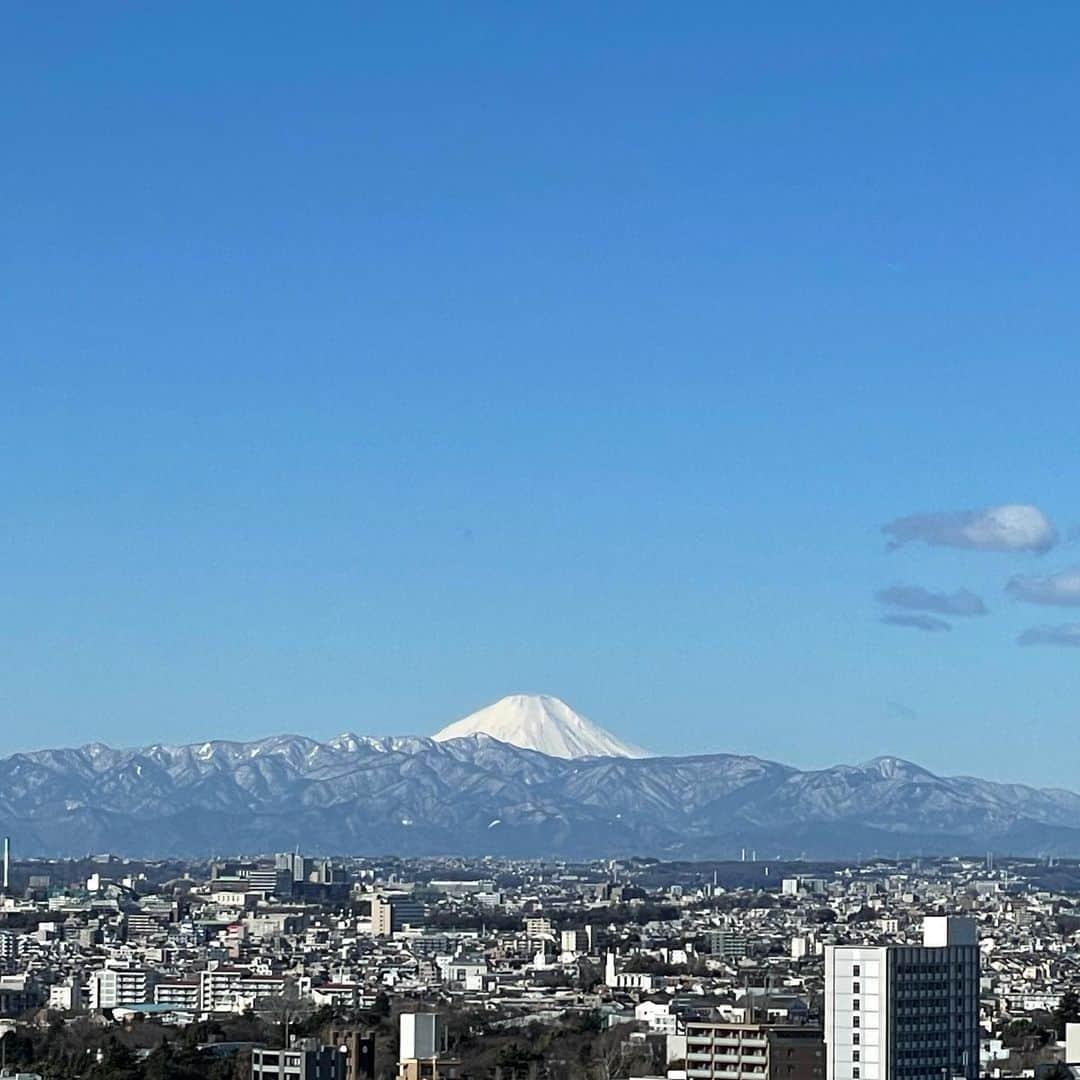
389 914
905 1012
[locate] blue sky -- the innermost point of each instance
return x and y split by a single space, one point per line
363 364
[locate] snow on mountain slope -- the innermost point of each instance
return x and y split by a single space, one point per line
543 723
414 795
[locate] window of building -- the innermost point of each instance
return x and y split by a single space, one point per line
855 1038
856 970
854 988
854 1021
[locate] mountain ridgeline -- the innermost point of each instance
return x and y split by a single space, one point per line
476 795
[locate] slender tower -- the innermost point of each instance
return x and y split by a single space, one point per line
7 863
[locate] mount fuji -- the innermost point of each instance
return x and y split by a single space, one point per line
542 723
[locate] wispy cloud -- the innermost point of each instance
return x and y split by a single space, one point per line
1012 527
1067 634
917 622
1061 589
916 598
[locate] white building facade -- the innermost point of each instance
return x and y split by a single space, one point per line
905 1012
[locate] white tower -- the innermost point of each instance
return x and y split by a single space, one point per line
610 979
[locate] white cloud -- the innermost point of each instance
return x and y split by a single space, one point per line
1012 527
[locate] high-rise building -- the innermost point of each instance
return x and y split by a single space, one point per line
271 881
389 914
905 1012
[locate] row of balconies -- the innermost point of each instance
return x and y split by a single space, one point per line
725 1074
726 1051
727 1044
726 1059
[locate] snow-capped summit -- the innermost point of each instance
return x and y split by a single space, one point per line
540 722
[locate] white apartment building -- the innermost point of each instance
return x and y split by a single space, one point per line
905 1012
65 996
232 990
113 987
180 993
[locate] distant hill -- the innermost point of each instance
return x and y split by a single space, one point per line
476 795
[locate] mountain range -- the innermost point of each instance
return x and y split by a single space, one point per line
468 792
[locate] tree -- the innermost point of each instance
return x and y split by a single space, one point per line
1067 1011
516 1057
615 1058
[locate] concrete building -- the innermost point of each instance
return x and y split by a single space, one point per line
659 1017
389 914
802 884
576 941
716 1050
728 944
18 994
357 1049
116 986
232 990
1072 1044
305 1059
539 928
422 1053
271 881
65 996
180 993
905 1012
